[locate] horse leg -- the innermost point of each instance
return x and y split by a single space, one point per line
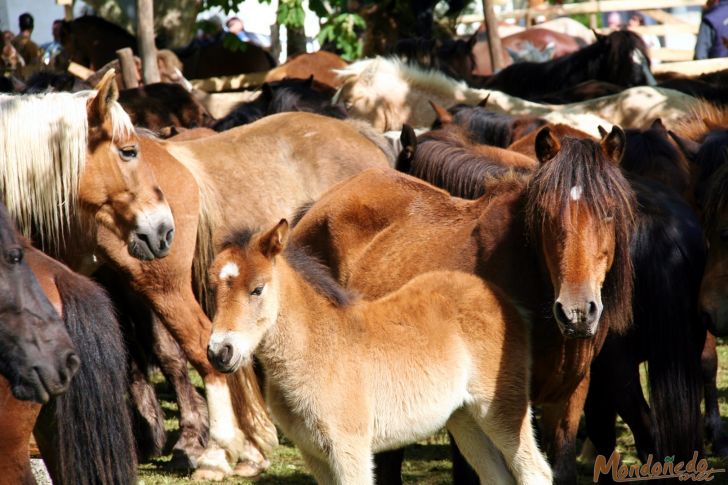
320 469
16 425
713 423
351 460
148 417
193 422
462 472
388 467
560 423
601 416
478 449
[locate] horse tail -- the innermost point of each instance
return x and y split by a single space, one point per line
666 292
90 426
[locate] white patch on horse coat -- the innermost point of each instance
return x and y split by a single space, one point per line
576 192
230 270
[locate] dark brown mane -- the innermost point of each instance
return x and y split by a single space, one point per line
448 159
716 199
605 194
650 153
311 269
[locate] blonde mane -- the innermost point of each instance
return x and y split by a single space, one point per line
694 127
43 150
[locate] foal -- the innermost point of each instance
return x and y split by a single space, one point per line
463 361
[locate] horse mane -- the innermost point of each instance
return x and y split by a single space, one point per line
605 194
715 202
43 148
447 159
367 131
694 127
316 274
430 81
490 127
711 158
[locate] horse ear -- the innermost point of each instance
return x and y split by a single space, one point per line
598 36
602 131
472 41
712 125
274 241
547 145
484 102
408 139
689 147
657 125
107 94
613 144
442 114
266 91
309 81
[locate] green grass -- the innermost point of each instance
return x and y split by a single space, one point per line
427 462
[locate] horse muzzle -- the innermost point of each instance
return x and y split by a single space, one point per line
153 235
577 319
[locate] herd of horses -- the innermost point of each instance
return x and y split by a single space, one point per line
387 252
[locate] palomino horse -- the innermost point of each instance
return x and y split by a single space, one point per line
383 220
258 158
84 434
321 65
469 369
38 359
389 93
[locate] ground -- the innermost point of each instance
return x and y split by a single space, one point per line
428 462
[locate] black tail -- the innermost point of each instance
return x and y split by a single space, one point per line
88 428
669 256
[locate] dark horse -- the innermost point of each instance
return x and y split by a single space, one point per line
84 434
619 58
283 96
93 41
38 358
667 254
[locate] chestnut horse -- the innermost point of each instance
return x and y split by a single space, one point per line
85 434
120 175
575 287
469 369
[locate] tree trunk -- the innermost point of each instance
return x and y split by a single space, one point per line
128 68
145 38
494 42
296 41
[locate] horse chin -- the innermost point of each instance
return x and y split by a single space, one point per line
139 249
31 389
570 331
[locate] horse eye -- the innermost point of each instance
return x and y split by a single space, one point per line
128 153
14 256
257 291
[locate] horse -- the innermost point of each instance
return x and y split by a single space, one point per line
279 97
38 357
202 61
159 105
93 41
320 64
469 370
619 58
669 338
182 175
89 423
365 224
389 93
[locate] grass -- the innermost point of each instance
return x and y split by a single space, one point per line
427 462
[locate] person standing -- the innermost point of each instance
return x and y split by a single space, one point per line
26 48
713 32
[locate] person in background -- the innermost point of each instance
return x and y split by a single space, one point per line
713 32
235 26
26 48
53 48
614 20
637 20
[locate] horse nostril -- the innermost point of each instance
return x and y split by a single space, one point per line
73 363
592 308
559 313
169 236
226 354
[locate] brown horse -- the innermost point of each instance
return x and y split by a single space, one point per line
382 220
469 370
159 105
258 158
85 434
321 65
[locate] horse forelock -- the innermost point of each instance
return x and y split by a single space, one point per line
44 149
604 193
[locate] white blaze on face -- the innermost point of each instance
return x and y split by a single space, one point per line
229 270
637 56
576 192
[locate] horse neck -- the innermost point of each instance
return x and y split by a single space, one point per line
304 315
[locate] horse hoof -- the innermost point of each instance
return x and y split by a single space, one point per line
181 460
208 475
249 469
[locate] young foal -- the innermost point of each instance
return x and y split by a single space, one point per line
445 349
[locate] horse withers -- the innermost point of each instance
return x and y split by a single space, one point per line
445 349
38 357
